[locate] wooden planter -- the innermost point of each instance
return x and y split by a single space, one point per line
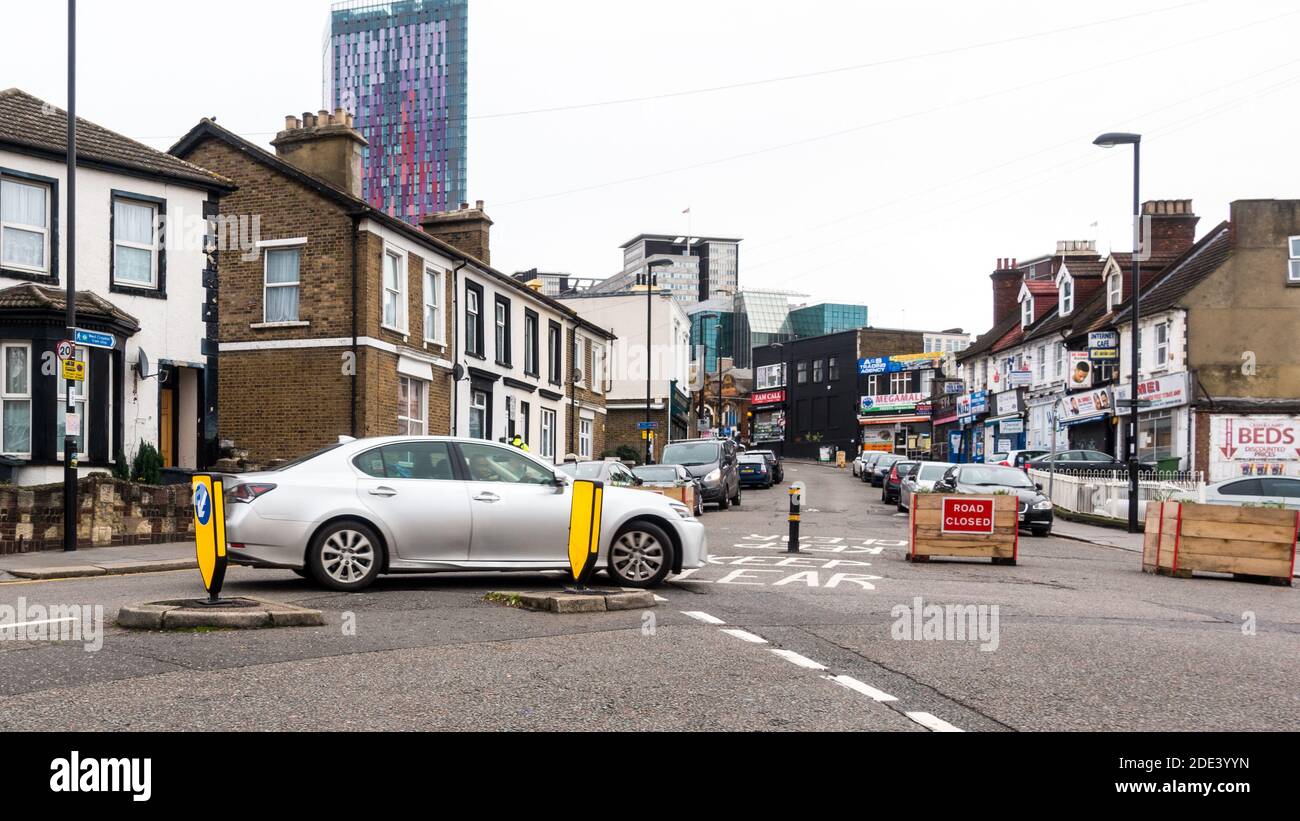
930 538
1251 543
684 494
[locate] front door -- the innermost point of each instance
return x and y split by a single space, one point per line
411 487
166 418
519 514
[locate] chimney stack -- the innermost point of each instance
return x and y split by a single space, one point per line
1173 227
324 145
1007 279
467 229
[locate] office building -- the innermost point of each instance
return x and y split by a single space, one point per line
702 268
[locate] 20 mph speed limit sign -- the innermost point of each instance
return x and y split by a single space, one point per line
66 349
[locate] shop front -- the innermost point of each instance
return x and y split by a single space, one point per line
1005 430
1162 419
1089 418
943 425
972 408
906 416
767 425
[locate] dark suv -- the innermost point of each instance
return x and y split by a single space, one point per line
714 462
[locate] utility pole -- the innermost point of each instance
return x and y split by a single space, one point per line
70 436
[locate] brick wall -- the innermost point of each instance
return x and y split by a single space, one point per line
620 429
585 396
111 512
282 404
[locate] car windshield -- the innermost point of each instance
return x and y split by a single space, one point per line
930 473
691 453
994 475
656 473
769 454
753 459
888 459
293 463
904 467
582 470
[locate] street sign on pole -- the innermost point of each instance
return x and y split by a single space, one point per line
74 370
66 349
93 339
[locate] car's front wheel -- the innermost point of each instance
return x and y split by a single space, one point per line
1041 531
640 555
345 556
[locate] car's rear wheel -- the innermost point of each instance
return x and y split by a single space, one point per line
735 500
345 556
640 555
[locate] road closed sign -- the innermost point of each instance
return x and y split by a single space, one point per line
967 514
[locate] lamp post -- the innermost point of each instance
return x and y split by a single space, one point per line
648 279
70 436
1109 140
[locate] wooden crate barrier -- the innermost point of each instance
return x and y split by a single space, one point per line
684 494
1248 542
928 538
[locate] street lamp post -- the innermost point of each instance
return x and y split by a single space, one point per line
649 282
70 436
1110 140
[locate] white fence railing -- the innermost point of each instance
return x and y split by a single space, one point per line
1105 493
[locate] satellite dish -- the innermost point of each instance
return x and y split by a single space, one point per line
577 374
142 363
458 372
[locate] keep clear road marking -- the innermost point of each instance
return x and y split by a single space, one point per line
928 721
865 689
699 615
795 658
745 635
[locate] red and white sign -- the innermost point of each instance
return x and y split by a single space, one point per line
66 349
1254 445
766 397
967 514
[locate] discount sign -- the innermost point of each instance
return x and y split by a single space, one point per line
967 514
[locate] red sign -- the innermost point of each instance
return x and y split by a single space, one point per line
967 514
766 397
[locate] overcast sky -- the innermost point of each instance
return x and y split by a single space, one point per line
896 185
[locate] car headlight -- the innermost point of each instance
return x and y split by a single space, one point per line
1046 504
714 475
682 510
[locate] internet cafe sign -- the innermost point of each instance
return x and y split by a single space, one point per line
903 362
1168 391
889 403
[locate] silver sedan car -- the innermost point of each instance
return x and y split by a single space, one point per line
420 504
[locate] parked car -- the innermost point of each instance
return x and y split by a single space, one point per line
893 478
755 471
920 479
856 464
671 476
714 462
868 461
418 504
876 475
1249 490
778 470
1084 461
610 471
1014 458
980 479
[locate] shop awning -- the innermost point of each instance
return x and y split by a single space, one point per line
993 420
890 420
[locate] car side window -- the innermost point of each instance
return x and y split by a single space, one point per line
488 463
407 460
1278 486
1246 487
620 476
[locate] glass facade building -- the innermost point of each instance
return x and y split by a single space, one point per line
827 318
400 68
712 332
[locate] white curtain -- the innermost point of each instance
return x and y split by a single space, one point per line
133 222
16 370
282 301
22 204
132 264
17 433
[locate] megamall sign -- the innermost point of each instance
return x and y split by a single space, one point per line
889 402
967 514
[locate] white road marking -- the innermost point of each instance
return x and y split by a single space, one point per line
745 635
858 687
700 615
794 658
659 598
41 621
938 725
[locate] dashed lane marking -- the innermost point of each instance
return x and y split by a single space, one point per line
801 660
930 722
745 635
858 687
700 615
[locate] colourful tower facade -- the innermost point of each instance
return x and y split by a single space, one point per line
400 68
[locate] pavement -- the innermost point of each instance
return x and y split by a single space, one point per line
1094 534
99 561
841 635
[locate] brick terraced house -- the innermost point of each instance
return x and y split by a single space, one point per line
338 319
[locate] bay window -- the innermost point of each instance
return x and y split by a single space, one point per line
15 398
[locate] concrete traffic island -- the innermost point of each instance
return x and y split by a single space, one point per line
241 613
564 601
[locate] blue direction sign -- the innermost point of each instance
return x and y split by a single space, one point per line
93 339
647 425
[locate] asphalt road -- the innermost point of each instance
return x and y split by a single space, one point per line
760 639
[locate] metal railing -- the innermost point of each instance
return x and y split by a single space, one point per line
1105 492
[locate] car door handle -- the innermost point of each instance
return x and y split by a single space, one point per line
487 497
383 490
